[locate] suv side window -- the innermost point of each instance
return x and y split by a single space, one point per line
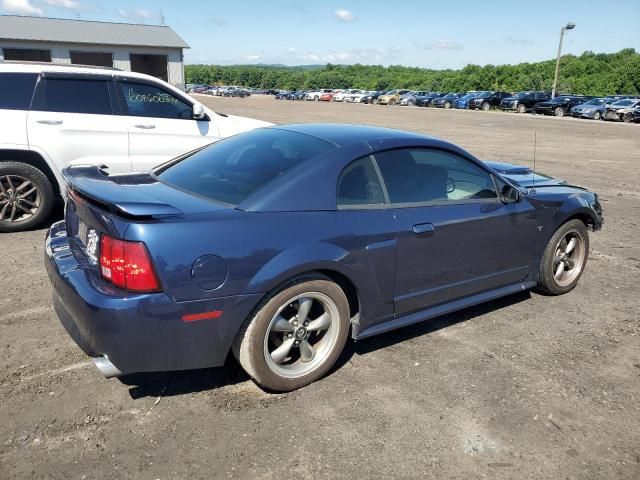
359 185
17 90
73 95
433 176
146 100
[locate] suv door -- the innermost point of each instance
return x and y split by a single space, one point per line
71 120
160 124
16 92
455 237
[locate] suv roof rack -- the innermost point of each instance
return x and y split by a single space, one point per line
55 64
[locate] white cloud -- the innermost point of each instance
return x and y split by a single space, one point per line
344 15
446 45
135 14
252 58
519 41
21 7
69 4
219 21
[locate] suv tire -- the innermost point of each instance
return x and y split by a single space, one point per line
24 192
521 108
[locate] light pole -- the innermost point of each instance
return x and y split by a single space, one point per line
568 26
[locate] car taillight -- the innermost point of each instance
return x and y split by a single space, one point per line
127 265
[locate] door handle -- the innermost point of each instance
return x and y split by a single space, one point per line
423 229
50 122
145 126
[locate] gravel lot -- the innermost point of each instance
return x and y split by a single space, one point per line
525 387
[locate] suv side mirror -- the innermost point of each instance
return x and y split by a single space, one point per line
509 194
198 111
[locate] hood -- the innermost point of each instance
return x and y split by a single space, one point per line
233 124
523 176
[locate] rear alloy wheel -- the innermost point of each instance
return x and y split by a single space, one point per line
597 116
564 258
26 196
447 104
521 108
558 112
486 106
296 335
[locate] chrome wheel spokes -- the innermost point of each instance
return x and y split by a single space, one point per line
19 198
569 258
302 334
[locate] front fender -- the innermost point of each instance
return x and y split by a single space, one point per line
581 206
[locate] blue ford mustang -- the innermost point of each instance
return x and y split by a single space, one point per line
279 243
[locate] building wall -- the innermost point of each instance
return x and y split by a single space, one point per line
60 53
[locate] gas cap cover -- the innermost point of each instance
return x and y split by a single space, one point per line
209 272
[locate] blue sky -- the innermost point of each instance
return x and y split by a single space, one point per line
426 33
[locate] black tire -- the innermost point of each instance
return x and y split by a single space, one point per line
486 106
249 345
627 118
521 109
547 282
597 116
392 101
558 112
45 193
447 104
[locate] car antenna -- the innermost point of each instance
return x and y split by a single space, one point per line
533 174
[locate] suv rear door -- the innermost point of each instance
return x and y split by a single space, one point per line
71 120
160 124
16 90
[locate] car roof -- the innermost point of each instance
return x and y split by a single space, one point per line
34 67
347 134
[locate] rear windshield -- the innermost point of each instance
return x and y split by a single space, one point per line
231 170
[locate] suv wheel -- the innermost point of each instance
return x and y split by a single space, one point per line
26 196
521 108
486 106
564 258
392 101
296 335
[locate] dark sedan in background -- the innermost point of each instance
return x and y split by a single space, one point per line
446 101
560 105
279 243
486 100
425 100
524 101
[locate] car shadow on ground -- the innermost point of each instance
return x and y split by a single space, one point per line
168 384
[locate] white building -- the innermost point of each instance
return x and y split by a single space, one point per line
152 49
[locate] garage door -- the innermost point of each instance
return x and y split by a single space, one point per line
155 65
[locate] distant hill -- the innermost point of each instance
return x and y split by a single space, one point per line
587 74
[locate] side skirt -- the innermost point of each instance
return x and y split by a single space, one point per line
439 310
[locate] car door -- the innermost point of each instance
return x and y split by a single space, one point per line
455 236
160 123
72 120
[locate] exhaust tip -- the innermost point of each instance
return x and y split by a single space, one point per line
108 369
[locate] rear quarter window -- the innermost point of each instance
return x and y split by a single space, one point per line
16 90
73 95
231 170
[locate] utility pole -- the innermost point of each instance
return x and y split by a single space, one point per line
568 26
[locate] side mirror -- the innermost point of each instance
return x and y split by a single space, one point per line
198 111
509 194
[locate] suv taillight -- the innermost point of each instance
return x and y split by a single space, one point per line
127 265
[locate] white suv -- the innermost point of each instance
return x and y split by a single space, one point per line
53 116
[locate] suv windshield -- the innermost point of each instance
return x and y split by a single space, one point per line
522 95
484 94
231 170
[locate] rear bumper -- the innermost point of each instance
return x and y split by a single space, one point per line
128 333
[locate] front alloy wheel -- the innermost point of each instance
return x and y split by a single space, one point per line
296 335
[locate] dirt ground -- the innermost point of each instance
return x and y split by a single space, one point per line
527 387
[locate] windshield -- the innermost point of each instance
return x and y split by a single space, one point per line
623 103
392 92
484 95
596 101
522 95
231 170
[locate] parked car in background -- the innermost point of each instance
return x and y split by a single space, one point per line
622 110
357 97
463 101
524 101
560 105
340 96
372 98
486 100
148 273
58 115
327 96
241 92
446 101
282 95
593 109
425 100
315 95
409 98
392 97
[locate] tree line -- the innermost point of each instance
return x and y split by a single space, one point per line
588 74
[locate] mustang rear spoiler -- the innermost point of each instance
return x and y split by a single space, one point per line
94 184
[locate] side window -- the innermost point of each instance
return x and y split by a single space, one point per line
359 185
21 87
73 95
433 176
144 100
